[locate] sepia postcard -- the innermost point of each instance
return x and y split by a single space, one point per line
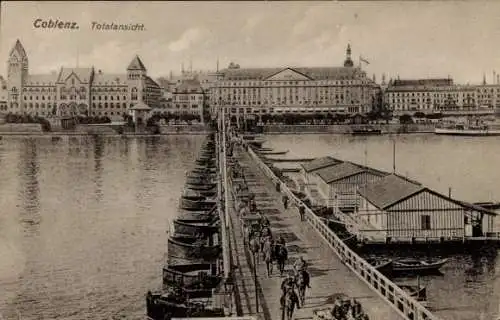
260 160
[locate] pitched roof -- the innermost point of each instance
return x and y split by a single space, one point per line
320 163
83 74
109 79
286 69
189 86
136 64
140 106
41 79
389 190
316 73
150 81
344 170
19 48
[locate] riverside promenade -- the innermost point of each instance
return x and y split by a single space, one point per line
329 276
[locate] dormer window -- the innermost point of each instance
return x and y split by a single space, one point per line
73 81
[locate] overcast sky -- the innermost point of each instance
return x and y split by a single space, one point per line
409 39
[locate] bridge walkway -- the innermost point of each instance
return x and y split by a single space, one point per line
329 276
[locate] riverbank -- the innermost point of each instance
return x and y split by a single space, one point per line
347 129
31 129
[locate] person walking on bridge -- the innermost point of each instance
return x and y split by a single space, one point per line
302 211
285 201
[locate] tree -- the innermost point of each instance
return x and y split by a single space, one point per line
405 119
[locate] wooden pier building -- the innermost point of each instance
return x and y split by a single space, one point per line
400 210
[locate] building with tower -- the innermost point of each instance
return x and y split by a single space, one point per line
77 91
256 91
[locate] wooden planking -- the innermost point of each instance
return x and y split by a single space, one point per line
447 217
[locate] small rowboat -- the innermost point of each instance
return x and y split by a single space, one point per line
273 153
418 292
383 265
418 265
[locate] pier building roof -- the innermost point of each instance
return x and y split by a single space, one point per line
393 189
345 170
389 190
320 163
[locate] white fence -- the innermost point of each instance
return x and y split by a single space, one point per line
405 305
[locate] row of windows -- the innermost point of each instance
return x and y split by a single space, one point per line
285 102
290 83
94 113
419 94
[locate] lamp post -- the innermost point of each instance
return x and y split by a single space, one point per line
255 282
228 296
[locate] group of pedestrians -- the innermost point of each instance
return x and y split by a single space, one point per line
302 210
260 240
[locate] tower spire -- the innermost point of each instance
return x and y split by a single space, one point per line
484 78
217 64
348 61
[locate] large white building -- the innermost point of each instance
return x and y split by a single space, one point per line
300 90
440 95
77 91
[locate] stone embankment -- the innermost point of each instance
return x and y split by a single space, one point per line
347 129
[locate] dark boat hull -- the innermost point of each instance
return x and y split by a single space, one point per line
160 308
196 217
366 132
401 266
196 205
198 194
201 187
192 253
199 180
195 228
194 213
197 284
382 265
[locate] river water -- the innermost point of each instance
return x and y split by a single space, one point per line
469 287
83 220
83 223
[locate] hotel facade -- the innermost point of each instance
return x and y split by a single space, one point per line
440 95
298 90
77 91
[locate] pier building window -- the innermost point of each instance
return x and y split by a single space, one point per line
425 222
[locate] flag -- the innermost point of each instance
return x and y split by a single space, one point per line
363 60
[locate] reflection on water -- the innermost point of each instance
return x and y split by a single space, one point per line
469 287
83 222
29 191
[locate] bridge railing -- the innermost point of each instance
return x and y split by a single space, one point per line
224 295
405 305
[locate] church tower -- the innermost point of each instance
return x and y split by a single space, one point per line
136 75
17 75
348 61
